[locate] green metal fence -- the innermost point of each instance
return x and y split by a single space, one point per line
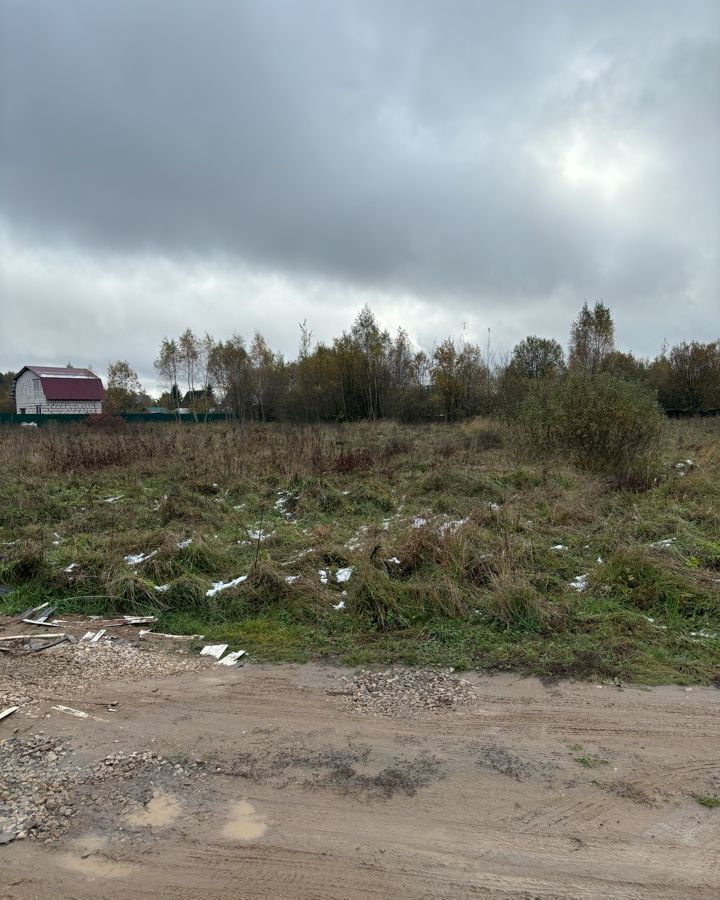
185 419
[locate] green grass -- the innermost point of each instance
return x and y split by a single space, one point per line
709 802
477 582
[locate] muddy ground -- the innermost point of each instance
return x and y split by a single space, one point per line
270 782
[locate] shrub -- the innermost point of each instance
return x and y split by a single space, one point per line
604 424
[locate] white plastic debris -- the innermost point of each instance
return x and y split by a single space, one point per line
113 499
394 560
183 544
161 588
340 605
230 659
579 583
452 526
134 559
260 535
558 547
323 576
343 575
666 542
77 713
419 522
70 567
223 585
494 506
291 579
214 650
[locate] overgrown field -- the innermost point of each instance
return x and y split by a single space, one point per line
374 543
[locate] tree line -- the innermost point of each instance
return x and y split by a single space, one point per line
367 373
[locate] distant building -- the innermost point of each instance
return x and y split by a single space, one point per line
200 399
51 389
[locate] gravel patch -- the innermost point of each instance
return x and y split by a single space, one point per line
25 678
403 692
42 790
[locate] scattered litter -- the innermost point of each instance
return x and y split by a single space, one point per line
33 612
559 547
704 634
666 542
600 560
77 713
494 506
223 585
41 622
452 526
161 588
36 647
8 712
113 499
29 637
147 633
291 579
340 605
323 576
137 558
579 583
418 522
343 575
283 497
140 620
260 535
231 659
394 560
183 544
96 637
214 650
71 567
56 542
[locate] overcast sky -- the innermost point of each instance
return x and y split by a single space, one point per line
234 166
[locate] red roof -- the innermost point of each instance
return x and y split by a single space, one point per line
72 388
60 383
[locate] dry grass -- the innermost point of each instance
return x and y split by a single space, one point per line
453 542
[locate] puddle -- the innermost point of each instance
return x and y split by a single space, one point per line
244 824
161 810
84 862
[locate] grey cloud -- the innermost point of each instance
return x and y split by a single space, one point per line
486 159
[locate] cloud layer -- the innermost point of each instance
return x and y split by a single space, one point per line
239 166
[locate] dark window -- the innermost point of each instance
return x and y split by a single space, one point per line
38 410
22 410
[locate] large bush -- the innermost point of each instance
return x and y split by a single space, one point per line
602 423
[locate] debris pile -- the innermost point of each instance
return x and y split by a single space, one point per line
401 692
41 791
65 666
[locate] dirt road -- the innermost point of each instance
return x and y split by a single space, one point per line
284 790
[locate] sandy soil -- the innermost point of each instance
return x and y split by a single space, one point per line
532 791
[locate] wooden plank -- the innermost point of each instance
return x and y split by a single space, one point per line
28 637
9 711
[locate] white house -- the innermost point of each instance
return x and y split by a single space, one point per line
52 389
